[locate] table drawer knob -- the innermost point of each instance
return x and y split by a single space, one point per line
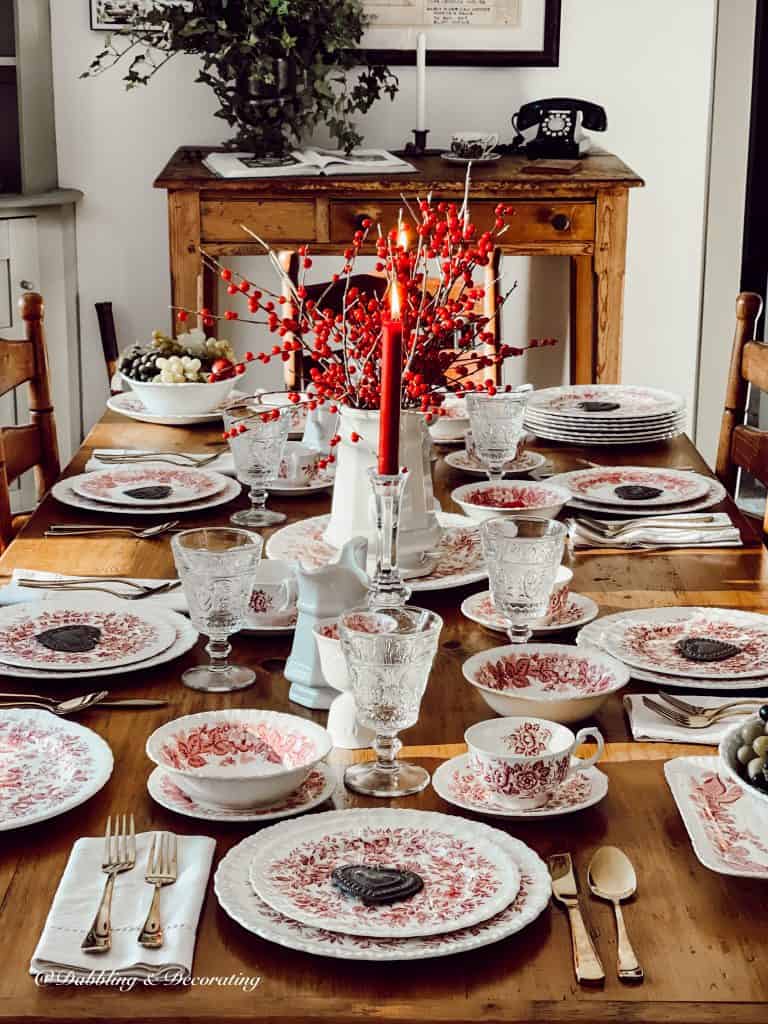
560 221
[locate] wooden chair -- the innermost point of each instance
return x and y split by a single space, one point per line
740 446
34 444
297 368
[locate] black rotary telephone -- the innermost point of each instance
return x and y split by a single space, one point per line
559 136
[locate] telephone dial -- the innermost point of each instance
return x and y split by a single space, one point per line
559 135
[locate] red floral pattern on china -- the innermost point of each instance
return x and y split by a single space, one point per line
466 788
261 602
528 739
235 744
102 484
566 610
512 496
552 673
40 768
654 643
122 634
523 779
309 790
303 876
630 399
426 943
309 472
366 622
682 485
736 847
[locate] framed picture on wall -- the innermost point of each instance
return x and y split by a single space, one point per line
465 33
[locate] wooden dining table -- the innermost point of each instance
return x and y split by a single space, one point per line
700 936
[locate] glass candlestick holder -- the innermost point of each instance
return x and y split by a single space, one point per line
387 587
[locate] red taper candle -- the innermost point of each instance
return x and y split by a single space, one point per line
391 373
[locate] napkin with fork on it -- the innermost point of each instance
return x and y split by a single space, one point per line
713 530
223 463
13 593
58 956
647 725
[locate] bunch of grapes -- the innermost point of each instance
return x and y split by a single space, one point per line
753 754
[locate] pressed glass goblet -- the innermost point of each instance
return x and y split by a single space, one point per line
257 452
497 426
522 556
389 655
217 567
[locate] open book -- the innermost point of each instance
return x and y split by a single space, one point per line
306 162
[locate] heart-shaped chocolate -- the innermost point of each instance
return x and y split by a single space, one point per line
153 492
376 885
637 492
702 648
595 406
74 639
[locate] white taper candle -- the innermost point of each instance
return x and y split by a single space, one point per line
421 81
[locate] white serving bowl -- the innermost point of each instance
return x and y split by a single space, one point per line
181 399
482 501
729 744
453 423
238 758
332 661
554 681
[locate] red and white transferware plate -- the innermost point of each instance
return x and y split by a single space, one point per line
186 484
48 765
634 402
577 611
715 494
314 790
467 876
457 784
238 899
727 828
458 557
185 638
128 634
64 491
646 638
466 463
598 486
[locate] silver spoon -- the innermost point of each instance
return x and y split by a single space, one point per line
611 877
65 530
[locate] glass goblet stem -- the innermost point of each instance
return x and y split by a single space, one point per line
519 634
258 496
218 650
386 749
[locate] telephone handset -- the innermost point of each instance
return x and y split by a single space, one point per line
558 136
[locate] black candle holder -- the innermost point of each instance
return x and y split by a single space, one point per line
419 145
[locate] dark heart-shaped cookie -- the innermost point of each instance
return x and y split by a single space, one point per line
595 406
637 492
153 492
376 885
74 639
702 648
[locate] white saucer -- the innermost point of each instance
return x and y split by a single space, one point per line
578 611
280 624
465 463
489 158
315 790
456 784
287 490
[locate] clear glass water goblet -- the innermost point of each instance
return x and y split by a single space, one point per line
217 567
389 655
257 452
497 426
522 555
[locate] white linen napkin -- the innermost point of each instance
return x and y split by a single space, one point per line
223 463
647 725
718 532
12 593
58 952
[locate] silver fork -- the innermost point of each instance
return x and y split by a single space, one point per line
162 869
75 529
168 458
119 856
67 587
696 709
74 705
678 718
665 522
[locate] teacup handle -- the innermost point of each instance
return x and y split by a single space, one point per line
581 763
493 142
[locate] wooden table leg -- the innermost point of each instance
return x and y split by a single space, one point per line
184 236
583 294
610 258
289 262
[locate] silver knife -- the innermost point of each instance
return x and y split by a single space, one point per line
586 961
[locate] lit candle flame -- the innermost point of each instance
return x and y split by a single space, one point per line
394 302
402 238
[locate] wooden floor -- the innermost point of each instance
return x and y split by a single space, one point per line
700 935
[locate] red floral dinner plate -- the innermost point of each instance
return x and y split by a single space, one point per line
135 485
614 485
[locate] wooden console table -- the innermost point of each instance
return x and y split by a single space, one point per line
581 214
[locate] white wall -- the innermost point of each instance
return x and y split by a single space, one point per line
650 65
